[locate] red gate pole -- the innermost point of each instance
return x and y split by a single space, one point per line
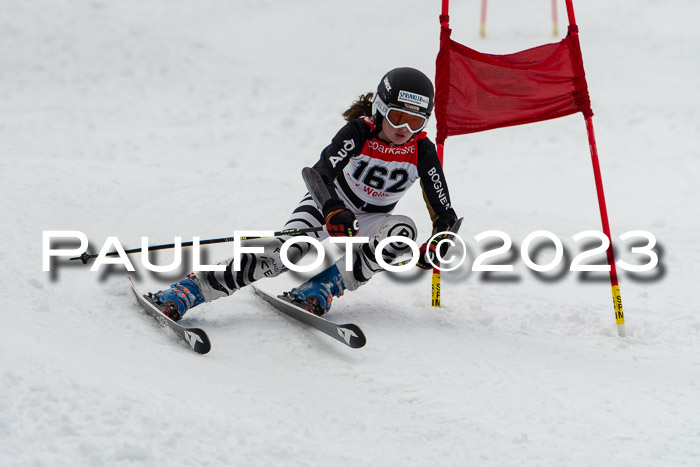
440 143
617 298
555 19
444 24
482 25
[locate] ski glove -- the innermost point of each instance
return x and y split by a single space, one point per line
428 252
340 221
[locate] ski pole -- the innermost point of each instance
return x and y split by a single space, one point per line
85 257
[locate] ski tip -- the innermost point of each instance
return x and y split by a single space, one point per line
197 339
352 335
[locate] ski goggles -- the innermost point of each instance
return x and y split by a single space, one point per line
399 118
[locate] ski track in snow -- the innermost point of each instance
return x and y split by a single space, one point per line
159 119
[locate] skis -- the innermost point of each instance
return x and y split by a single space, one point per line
196 338
349 334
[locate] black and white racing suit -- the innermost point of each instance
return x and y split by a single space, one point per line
370 176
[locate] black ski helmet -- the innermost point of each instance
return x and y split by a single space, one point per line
403 88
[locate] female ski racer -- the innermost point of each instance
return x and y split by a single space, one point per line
371 162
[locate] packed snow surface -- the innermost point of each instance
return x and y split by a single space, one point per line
182 118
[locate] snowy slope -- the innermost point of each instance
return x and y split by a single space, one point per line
183 118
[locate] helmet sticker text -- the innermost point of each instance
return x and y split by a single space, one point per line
413 98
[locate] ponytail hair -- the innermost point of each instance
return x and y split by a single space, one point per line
362 107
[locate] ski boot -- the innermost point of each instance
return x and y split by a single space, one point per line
315 295
179 298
